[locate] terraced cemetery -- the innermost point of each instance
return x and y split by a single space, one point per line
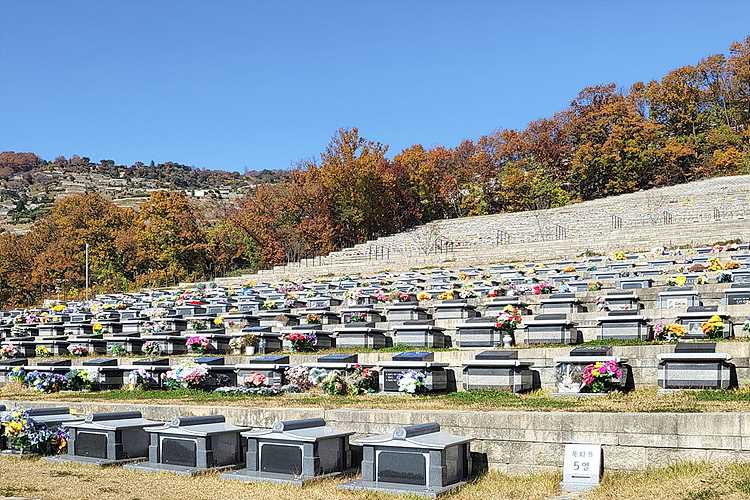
406 380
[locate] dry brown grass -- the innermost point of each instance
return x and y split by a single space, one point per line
36 478
684 481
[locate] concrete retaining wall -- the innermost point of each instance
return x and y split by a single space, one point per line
513 441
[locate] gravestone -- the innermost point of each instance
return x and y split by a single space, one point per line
479 332
190 445
272 367
368 314
737 294
569 370
498 371
435 376
695 316
419 334
277 319
414 460
623 325
551 329
324 316
335 361
222 374
577 286
453 309
294 452
605 275
498 304
268 340
170 345
131 344
78 329
637 282
50 330
561 303
695 366
741 276
677 297
627 301
105 373
324 338
323 302
131 326
406 312
354 335
108 439
57 346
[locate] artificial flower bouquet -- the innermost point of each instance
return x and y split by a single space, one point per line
671 331
412 382
302 342
78 350
24 434
313 319
508 320
601 376
151 348
192 376
713 328
198 344
541 288
142 379
8 351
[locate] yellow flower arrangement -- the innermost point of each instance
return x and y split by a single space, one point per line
714 264
97 327
569 269
678 280
421 296
676 330
446 295
714 327
219 320
619 255
58 308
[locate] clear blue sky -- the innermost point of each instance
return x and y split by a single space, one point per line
228 84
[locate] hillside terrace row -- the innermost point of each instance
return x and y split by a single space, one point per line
632 300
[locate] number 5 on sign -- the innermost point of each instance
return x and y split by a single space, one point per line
583 466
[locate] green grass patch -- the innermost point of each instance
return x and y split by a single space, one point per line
537 400
716 395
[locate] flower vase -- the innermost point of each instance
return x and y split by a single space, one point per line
507 341
249 350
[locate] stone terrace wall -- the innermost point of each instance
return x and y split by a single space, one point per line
695 213
516 441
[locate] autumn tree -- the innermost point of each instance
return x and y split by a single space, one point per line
169 239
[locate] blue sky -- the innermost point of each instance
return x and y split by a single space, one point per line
233 84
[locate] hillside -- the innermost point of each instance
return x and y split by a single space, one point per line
696 213
29 185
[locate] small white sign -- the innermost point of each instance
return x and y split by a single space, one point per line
583 466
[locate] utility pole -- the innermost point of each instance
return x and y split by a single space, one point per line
87 272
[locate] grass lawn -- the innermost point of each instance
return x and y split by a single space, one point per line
642 400
36 478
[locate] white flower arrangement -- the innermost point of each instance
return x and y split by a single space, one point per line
411 382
